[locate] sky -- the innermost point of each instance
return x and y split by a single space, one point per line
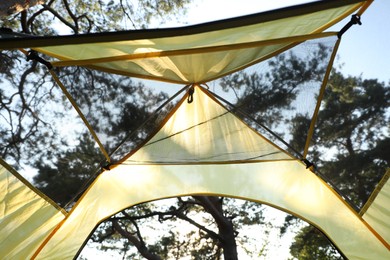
363 50
366 49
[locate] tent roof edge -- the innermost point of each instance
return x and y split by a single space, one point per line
16 40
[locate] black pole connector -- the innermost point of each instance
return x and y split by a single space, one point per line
307 163
190 95
33 55
355 19
106 165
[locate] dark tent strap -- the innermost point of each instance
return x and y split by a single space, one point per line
355 19
33 55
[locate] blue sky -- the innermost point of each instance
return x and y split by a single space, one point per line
364 49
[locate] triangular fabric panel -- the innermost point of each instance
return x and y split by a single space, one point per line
200 53
378 213
286 185
203 131
26 216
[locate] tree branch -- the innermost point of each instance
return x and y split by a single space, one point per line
59 17
212 206
75 27
23 21
173 212
211 233
142 249
127 14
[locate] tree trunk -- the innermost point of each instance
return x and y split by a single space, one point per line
213 205
228 240
9 7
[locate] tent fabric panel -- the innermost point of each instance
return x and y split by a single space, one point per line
26 218
181 67
378 213
17 40
203 131
285 185
192 68
287 27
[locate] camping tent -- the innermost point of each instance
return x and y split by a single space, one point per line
202 146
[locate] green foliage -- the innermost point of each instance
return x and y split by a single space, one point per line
310 244
353 124
63 179
352 121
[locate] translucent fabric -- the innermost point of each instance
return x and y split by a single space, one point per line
286 185
378 212
193 55
201 147
26 215
203 131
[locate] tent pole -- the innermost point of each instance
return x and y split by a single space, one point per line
320 97
33 55
75 106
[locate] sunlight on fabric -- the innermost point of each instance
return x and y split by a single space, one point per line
204 131
26 215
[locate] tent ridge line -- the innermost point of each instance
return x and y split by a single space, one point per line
61 223
33 55
47 239
244 161
80 113
320 97
148 119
